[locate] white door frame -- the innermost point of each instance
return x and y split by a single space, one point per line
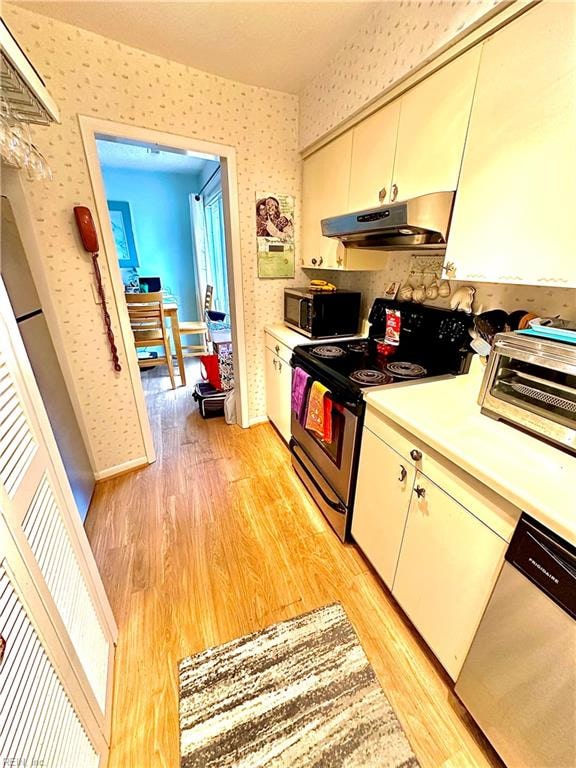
90 128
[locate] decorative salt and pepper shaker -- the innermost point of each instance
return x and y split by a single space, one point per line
462 299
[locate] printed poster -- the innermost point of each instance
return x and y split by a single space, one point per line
275 235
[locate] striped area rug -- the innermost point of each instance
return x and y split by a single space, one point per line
298 693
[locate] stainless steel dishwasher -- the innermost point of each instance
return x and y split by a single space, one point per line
519 677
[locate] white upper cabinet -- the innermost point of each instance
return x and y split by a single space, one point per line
311 204
517 194
325 180
409 147
432 129
325 188
414 145
373 148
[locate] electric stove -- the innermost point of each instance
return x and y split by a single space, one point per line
433 343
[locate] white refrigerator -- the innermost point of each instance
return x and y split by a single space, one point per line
37 340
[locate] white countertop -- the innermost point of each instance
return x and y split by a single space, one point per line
534 476
287 335
292 338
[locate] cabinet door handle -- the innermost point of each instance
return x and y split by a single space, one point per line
415 454
274 362
382 194
320 262
403 473
394 193
277 348
420 492
279 365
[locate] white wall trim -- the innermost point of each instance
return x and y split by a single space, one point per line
90 127
258 420
119 469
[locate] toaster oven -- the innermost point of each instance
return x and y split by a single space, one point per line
531 382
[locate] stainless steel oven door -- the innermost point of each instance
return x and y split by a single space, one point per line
333 509
528 385
327 469
334 460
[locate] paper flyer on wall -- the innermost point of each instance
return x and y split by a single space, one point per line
275 234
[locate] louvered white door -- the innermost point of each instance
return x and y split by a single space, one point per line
56 621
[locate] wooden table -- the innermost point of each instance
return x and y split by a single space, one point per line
171 311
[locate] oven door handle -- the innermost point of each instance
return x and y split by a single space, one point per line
337 506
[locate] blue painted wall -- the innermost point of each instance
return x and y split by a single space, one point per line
159 204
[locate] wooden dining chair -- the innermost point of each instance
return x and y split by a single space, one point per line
146 313
197 328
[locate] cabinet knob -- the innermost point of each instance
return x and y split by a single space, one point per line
420 492
274 362
279 365
415 454
314 262
403 473
394 193
277 348
382 194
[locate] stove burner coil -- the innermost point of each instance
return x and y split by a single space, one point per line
369 377
328 351
405 370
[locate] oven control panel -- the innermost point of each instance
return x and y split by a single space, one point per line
438 325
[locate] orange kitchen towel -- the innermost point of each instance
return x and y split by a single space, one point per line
318 415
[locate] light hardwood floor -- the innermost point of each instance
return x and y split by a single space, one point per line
218 539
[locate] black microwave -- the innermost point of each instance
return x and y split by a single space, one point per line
321 315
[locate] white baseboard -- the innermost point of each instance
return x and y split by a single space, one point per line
119 469
258 420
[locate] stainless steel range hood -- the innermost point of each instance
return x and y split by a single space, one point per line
421 223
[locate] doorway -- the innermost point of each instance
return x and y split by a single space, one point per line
221 260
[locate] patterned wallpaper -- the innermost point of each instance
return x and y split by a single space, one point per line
91 75
395 38
413 268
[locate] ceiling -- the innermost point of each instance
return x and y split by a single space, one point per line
142 157
276 45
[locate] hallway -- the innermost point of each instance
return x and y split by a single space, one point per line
218 539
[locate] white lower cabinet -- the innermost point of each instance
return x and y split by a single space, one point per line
448 565
439 546
383 492
278 375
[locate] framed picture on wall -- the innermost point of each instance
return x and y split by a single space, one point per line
275 234
121 222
